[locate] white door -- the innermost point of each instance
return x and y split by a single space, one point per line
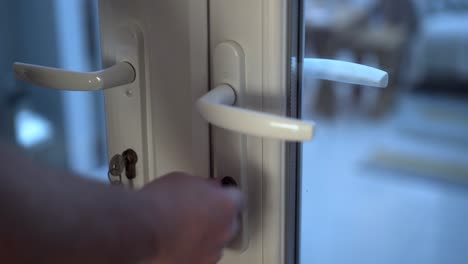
174 67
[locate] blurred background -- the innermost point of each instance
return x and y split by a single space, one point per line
62 129
386 178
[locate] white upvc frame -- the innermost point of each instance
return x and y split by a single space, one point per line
173 75
261 28
178 36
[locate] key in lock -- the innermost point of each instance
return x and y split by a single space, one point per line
122 162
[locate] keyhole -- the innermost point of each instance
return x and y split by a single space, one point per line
130 160
229 182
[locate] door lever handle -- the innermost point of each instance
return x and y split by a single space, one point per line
119 74
217 107
346 72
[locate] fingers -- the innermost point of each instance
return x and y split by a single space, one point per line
215 180
235 203
236 226
236 198
215 258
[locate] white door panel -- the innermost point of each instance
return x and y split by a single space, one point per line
259 27
174 70
172 135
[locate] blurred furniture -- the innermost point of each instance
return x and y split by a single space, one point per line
381 28
441 47
326 19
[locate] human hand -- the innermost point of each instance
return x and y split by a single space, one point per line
194 218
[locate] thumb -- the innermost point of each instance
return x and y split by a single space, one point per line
236 197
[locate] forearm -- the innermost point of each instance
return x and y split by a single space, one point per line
51 217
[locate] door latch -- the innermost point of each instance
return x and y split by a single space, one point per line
122 162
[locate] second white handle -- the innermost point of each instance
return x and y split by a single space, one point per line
119 74
217 108
346 72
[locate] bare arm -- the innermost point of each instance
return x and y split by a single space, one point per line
51 217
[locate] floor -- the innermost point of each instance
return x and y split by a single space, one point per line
389 191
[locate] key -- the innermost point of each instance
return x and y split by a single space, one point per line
116 167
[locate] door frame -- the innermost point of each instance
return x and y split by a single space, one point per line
170 135
270 31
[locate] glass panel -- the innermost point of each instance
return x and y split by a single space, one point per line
62 129
386 178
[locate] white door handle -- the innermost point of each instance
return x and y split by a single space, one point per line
217 108
346 72
120 74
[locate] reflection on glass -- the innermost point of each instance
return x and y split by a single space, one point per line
32 129
63 129
386 178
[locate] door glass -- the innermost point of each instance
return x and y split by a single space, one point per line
62 129
386 178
